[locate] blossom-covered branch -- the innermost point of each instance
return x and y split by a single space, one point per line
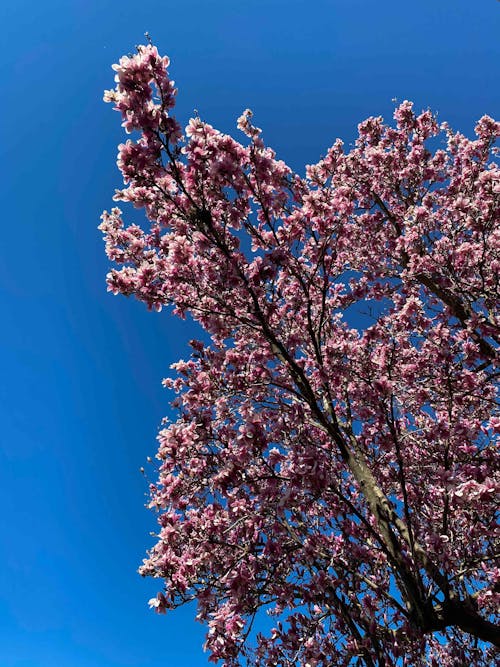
333 462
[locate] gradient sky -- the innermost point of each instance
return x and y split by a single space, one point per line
81 396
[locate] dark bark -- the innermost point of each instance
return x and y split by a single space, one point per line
463 615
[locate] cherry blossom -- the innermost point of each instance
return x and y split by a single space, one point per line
329 491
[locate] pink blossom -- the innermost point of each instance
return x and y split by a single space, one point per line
334 460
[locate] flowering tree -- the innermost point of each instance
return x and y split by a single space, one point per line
333 462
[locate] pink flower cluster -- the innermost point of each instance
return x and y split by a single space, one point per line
333 462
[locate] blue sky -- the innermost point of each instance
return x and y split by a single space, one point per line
81 395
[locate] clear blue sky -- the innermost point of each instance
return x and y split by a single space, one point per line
81 397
